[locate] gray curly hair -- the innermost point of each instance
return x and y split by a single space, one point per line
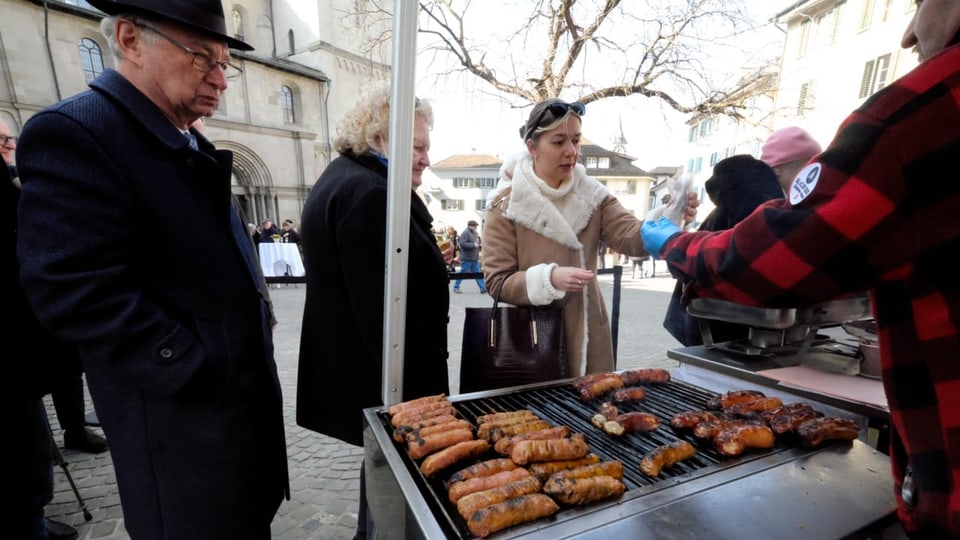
367 125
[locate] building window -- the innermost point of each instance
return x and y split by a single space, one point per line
286 103
690 166
631 187
866 15
887 6
480 205
90 59
699 164
451 204
486 183
876 75
714 158
804 38
692 135
237 25
291 42
828 26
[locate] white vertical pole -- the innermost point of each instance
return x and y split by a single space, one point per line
399 187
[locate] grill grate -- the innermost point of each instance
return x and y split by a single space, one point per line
561 405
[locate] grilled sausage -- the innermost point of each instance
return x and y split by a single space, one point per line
418 448
452 455
587 380
485 428
689 419
633 393
577 491
631 422
786 408
400 433
409 418
666 456
608 411
544 469
505 445
815 432
612 468
426 431
519 429
728 399
707 431
494 417
406 405
460 490
573 447
733 441
469 504
510 512
600 387
787 422
754 407
484 468
644 376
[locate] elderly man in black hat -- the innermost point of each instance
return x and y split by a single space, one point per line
470 255
173 329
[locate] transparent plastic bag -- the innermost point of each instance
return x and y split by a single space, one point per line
677 207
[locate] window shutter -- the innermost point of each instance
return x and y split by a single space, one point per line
867 79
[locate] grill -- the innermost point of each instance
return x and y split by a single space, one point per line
428 513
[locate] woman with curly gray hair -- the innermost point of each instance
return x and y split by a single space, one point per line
343 236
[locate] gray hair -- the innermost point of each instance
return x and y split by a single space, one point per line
108 27
369 120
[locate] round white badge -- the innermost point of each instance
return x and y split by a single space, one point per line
804 183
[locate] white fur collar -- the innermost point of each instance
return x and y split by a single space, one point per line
558 214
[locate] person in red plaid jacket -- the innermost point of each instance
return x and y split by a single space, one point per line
878 211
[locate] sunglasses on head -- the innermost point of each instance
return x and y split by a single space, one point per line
557 110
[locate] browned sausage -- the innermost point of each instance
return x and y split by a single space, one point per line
426 431
612 468
644 376
631 422
510 512
689 419
608 411
447 457
815 432
469 504
754 407
409 418
459 490
400 433
733 441
633 393
728 399
484 468
600 387
518 429
788 422
505 445
544 469
707 431
496 417
396 408
666 456
587 380
418 448
524 452
577 491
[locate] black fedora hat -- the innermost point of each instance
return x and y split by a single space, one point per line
203 15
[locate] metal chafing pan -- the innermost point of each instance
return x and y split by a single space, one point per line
833 312
837 491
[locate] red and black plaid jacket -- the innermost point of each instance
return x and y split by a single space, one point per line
878 211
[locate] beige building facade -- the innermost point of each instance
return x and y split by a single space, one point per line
278 118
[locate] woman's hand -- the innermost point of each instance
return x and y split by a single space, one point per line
570 278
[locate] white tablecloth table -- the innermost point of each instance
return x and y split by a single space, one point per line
280 259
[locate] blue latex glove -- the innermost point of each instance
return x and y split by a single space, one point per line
656 233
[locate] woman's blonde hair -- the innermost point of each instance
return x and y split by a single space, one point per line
367 125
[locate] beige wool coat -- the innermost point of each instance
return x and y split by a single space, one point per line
532 228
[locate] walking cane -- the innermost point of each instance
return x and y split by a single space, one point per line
58 460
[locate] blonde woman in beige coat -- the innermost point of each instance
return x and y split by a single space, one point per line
544 223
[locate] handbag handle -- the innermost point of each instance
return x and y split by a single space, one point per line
534 340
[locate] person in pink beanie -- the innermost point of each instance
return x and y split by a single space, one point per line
787 151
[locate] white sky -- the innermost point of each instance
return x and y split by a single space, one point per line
469 118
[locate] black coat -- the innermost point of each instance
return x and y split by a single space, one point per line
738 186
343 236
172 328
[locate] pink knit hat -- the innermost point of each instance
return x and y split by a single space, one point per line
789 144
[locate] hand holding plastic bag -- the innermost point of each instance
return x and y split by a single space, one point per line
656 233
676 209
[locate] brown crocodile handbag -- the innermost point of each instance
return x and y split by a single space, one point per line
511 345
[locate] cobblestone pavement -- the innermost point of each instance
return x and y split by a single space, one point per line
324 473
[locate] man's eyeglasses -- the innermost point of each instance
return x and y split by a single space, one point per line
201 61
7 139
556 110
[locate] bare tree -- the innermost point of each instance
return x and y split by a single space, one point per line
590 50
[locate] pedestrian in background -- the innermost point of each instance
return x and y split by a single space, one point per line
876 211
344 238
172 328
470 255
